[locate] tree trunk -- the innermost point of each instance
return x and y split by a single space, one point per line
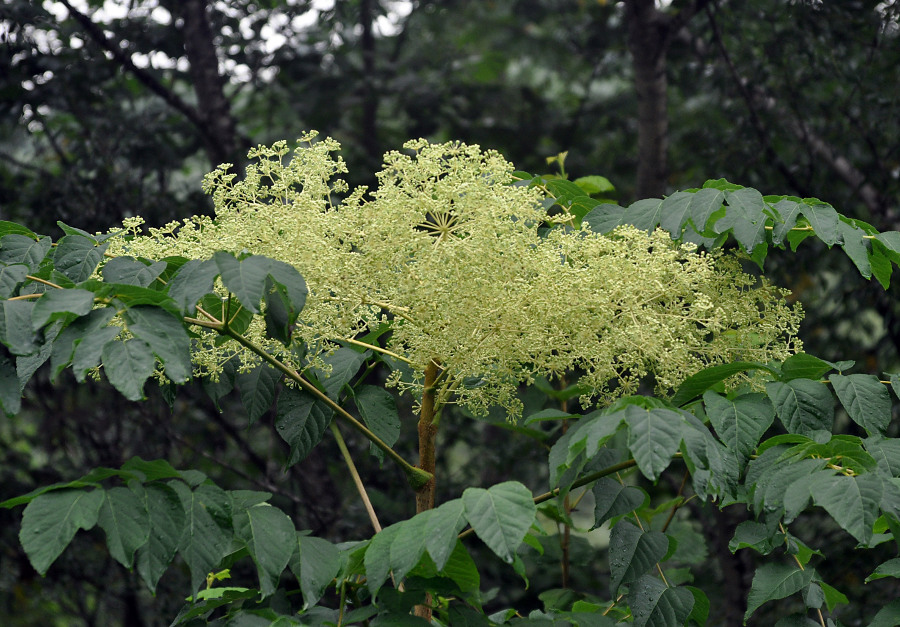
647 41
369 117
220 138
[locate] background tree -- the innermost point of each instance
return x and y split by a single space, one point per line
115 112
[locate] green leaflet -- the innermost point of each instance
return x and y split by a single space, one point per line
655 605
442 529
379 411
866 400
269 536
126 521
378 558
207 535
131 271
301 421
632 553
257 389
500 516
803 406
77 256
165 335
17 248
193 281
740 422
127 365
315 564
51 520
776 581
653 437
166 517
612 499
853 502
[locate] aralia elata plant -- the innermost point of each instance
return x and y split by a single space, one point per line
467 281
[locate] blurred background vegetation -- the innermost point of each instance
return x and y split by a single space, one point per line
110 109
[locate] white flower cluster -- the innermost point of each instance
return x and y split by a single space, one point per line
460 264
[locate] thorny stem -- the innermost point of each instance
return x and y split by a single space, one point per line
415 476
348 459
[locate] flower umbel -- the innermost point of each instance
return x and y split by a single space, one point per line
451 258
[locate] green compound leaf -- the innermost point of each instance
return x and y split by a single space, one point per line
789 210
166 526
379 411
823 219
127 365
77 256
676 211
745 217
462 570
753 535
853 502
280 316
644 214
804 366
257 390
126 521
803 406
833 597
166 337
193 281
269 536
301 421
51 520
887 616
866 400
697 384
705 203
377 559
246 279
500 516
207 531
890 568
776 581
345 363
15 327
10 389
409 544
10 278
57 303
288 277
853 243
317 563
131 271
741 422
21 249
442 530
90 349
654 436
613 499
655 605
632 553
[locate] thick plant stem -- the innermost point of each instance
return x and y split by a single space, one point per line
427 438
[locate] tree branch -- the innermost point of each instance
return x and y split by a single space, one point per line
146 78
